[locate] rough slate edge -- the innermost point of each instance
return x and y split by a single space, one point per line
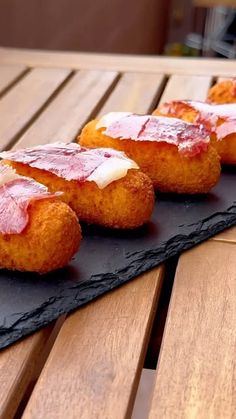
205 229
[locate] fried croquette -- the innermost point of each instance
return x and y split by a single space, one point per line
124 203
48 242
219 119
169 169
223 92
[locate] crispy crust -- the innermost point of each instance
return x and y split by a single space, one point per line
169 171
226 147
222 92
42 246
124 203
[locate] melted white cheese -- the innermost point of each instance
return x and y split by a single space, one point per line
7 174
112 169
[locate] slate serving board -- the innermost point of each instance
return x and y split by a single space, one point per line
107 259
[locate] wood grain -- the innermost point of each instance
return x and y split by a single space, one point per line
18 365
70 110
94 366
135 92
8 74
186 87
196 375
119 62
25 99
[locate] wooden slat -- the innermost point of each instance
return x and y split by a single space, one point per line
118 62
226 236
17 369
25 99
196 375
186 87
74 105
94 366
8 74
134 92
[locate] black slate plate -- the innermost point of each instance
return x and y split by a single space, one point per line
107 259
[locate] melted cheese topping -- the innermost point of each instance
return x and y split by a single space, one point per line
7 174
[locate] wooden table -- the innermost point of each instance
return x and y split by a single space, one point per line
91 364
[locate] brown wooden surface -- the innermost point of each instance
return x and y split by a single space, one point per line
118 62
135 92
196 371
73 106
95 364
9 74
181 87
25 99
17 370
227 235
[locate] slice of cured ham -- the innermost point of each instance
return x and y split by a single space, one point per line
73 162
190 139
16 193
220 119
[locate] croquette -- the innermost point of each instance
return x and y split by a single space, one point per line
223 92
124 203
48 242
219 119
170 170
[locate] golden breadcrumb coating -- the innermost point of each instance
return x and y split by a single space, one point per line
223 92
169 170
50 239
124 203
225 147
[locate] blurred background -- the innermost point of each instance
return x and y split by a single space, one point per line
171 27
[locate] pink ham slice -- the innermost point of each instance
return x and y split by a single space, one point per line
220 119
16 193
73 162
190 139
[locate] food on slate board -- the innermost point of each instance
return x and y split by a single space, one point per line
223 92
220 120
176 155
102 186
33 225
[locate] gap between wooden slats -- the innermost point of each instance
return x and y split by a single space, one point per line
9 74
94 366
18 366
74 105
135 92
25 100
196 369
118 62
